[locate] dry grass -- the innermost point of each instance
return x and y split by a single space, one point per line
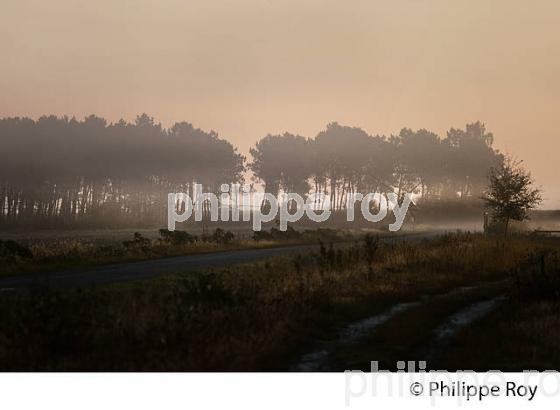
247 317
516 337
523 334
65 253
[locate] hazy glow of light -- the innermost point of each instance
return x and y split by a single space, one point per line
246 68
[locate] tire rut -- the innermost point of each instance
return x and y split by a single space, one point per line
400 332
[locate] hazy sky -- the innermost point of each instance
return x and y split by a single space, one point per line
246 68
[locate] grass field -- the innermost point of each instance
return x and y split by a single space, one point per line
59 251
266 315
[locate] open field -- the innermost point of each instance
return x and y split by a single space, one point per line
328 309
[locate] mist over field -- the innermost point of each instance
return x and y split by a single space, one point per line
253 67
92 173
446 109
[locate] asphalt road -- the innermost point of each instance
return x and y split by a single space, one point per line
123 272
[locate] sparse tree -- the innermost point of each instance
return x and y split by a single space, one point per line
510 194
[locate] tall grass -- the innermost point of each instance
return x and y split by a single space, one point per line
63 254
246 317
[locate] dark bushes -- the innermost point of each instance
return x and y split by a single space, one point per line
277 234
176 237
138 242
222 237
12 249
540 277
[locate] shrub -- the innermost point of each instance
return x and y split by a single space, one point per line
540 277
261 236
12 249
138 243
176 237
222 237
277 234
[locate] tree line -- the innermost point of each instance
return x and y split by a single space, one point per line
63 171
60 170
342 160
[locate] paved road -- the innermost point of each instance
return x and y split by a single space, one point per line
123 272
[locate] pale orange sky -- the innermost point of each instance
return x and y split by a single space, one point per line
246 68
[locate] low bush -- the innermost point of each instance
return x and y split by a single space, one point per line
221 236
176 237
12 249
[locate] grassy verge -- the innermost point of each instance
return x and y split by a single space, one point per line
515 337
64 254
258 316
523 333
